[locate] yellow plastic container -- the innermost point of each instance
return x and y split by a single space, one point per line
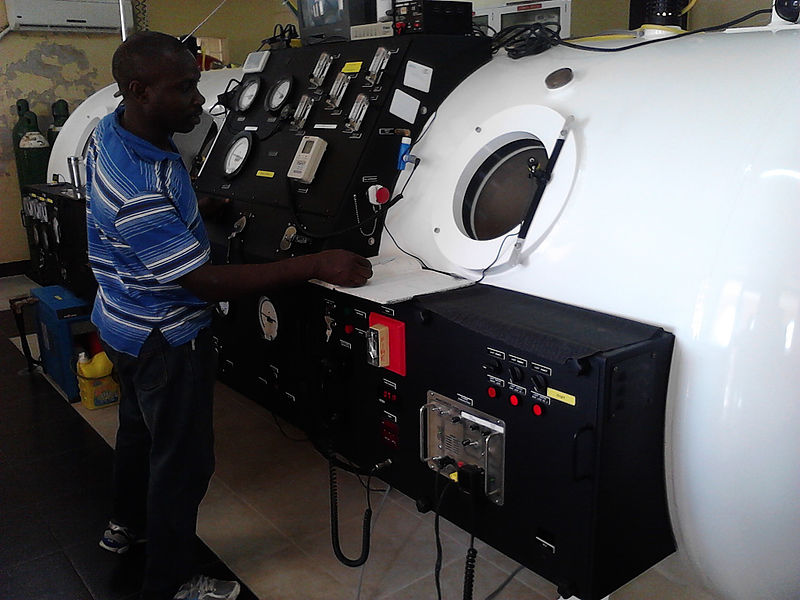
96 383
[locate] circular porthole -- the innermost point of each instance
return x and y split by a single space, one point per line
499 192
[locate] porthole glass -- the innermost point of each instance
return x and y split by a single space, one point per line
500 191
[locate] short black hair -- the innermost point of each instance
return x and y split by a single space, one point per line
138 56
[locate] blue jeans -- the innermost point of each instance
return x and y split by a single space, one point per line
164 455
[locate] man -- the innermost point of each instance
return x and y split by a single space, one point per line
150 255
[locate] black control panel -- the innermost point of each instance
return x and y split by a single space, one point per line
432 16
309 151
54 217
560 409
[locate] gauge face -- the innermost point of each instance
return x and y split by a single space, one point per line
248 94
224 307
278 94
267 318
237 154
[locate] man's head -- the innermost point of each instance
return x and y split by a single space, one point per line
158 77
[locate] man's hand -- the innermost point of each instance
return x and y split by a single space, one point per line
342 267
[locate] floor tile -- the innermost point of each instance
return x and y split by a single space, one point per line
232 528
25 535
288 574
107 575
403 549
78 517
297 503
487 579
13 286
51 577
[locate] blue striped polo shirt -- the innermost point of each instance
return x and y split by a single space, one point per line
144 232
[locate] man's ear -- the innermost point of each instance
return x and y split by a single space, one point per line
138 91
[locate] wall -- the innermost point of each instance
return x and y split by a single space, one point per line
41 67
244 22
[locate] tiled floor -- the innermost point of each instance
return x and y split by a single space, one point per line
266 514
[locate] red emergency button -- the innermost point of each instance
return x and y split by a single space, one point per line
378 194
513 400
492 392
537 410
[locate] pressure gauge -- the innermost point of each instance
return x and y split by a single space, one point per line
267 319
237 154
223 307
278 94
248 94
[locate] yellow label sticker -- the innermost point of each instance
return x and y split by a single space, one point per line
269 174
352 67
561 396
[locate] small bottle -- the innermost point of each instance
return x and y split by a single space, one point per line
83 362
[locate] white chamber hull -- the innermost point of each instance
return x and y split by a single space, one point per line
676 202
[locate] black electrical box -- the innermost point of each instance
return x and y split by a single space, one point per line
54 217
560 409
432 16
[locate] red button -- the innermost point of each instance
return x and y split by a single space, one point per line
492 392
349 329
514 400
537 410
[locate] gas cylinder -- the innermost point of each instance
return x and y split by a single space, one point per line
31 148
60 110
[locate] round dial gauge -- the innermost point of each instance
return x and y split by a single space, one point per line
267 318
237 154
278 94
247 94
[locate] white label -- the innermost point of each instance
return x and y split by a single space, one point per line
517 360
404 106
541 368
418 76
475 419
496 381
517 388
464 399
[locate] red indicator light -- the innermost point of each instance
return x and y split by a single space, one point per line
537 410
492 392
349 329
514 400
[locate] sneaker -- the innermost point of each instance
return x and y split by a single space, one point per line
201 587
119 539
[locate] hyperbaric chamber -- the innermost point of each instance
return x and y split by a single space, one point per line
674 202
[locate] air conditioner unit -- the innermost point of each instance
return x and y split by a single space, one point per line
67 15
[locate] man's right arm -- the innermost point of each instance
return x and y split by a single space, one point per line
226 282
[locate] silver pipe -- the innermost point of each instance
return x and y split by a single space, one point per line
123 24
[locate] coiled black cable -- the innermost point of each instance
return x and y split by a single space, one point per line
365 533
469 569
